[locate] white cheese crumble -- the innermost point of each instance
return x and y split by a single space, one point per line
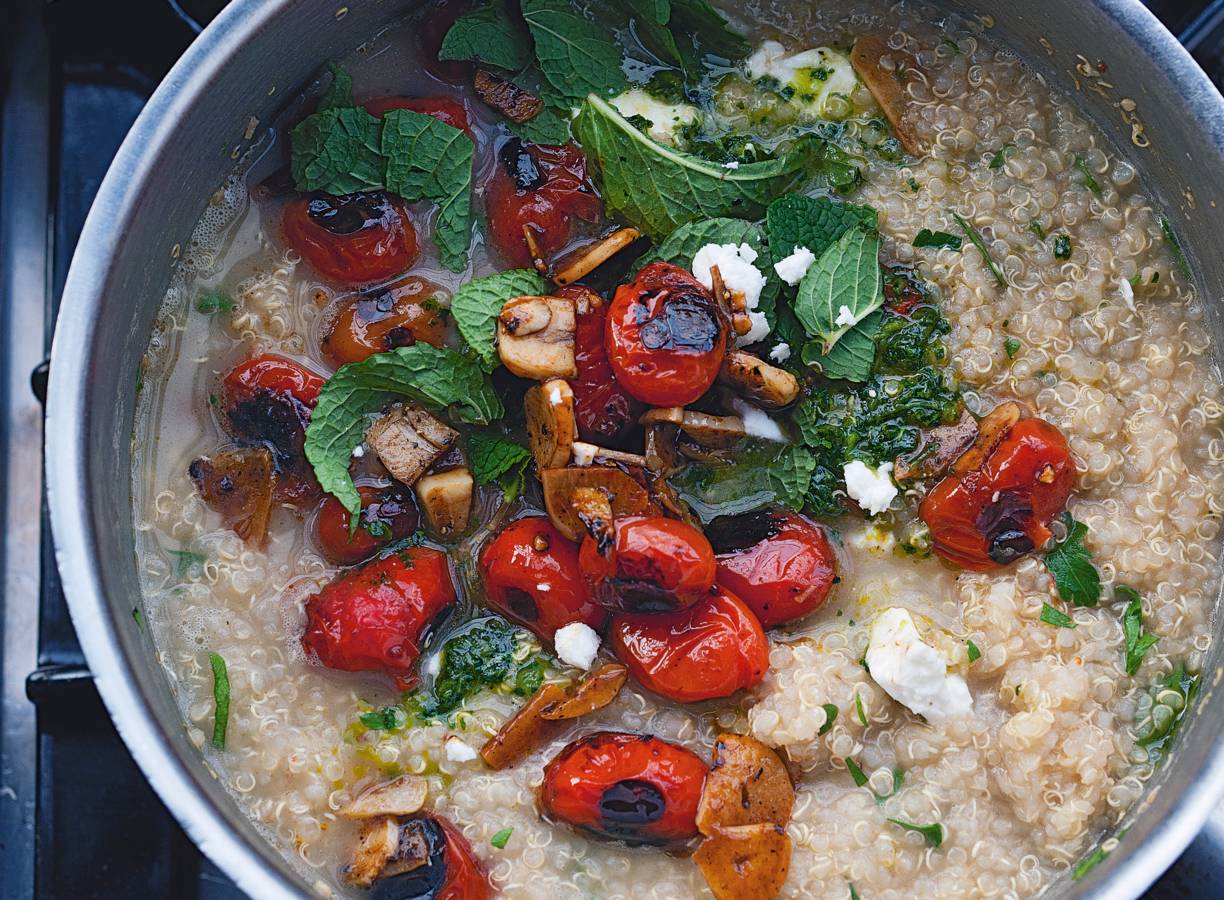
433 665
359 451
458 750
665 118
576 644
735 264
791 269
584 453
756 423
873 539
912 672
821 80
781 352
844 316
873 490
732 164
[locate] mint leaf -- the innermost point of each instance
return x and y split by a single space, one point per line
1051 616
576 56
852 357
337 151
340 91
813 222
1137 643
701 30
791 473
650 18
430 160
1070 563
928 238
933 833
221 699
548 126
658 189
433 376
493 458
488 35
846 276
475 307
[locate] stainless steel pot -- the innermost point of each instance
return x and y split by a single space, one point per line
180 149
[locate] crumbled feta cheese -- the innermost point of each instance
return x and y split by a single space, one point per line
756 423
871 490
912 672
458 750
665 118
433 665
576 644
731 164
554 395
543 587
359 451
1128 293
735 264
844 316
821 80
791 269
584 453
781 352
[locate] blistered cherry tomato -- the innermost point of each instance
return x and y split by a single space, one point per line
633 787
266 401
542 188
666 336
993 515
780 564
388 514
705 652
354 239
604 410
654 565
444 109
452 870
531 576
431 29
399 316
376 618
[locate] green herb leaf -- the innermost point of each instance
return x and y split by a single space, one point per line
700 30
340 91
852 357
502 838
853 893
830 717
389 718
1051 616
481 656
430 160
1090 181
658 189
791 474
529 678
1062 246
933 833
976 240
928 238
138 617
974 653
859 776
858 709
1011 346
549 126
476 305
1035 227
186 562
846 277
1175 248
796 220
1088 863
1070 563
494 458
1137 643
576 56
435 377
338 151
221 699
488 35
1005 153
214 303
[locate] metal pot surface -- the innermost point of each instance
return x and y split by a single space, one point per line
178 151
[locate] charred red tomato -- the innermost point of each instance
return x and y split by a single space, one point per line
354 239
707 651
451 871
266 401
996 513
376 618
654 565
399 316
604 410
666 336
531 576
431 29
780 564
449 112
633 787
543 189
388 514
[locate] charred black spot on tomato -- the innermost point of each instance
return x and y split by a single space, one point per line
398 337
688 322
522 604
637 595
521 166
1003 524
731 534
630 804
350 213
275 421
405 876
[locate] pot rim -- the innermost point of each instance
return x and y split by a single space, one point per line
173 776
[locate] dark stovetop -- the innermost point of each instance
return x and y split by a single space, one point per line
77 819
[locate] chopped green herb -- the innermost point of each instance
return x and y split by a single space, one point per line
389 718
928 238
138 617
221 699
853 893
974 653
933 833
976 240
502 837
1070 563
1183 265
830 717
212 303
912 183
1035 227
527 680
1012 346
376 528
1062 246
1004 154
858 709
1160 710
1137 643
186 562
1088 863
951 45
1051 616
1090 181
859 776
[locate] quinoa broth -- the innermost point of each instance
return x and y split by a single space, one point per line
1023 788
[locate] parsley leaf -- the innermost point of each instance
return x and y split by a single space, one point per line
221 699
1062 246
436 377
495 458
1070 563
488 35
389 718
340 91
576 56
830 717
976 240
1005 153
338 151
933 833
1137 643
928 238
475 307
1011 346
1090 181
502 838
1051 616
846 278
214 303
